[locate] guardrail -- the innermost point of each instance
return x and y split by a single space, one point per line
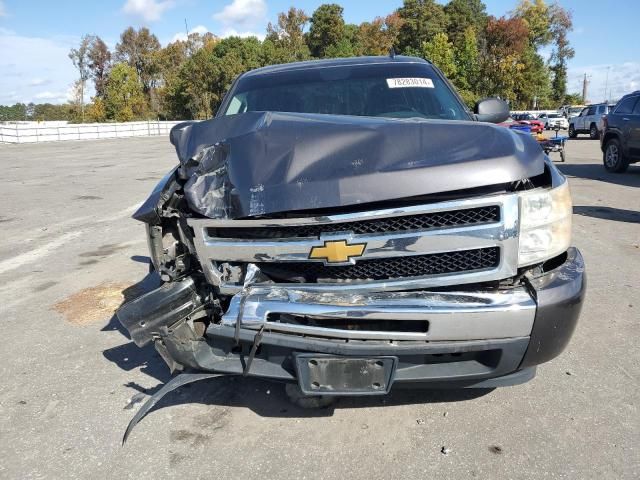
20 133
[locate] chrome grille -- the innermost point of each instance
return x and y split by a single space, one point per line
417 247
386 268
453 218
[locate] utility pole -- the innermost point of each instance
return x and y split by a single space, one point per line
585 83
606 84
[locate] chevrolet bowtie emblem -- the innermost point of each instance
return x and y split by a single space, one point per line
337 251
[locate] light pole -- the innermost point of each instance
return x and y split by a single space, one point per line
606 84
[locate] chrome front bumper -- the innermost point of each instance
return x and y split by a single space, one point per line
445 315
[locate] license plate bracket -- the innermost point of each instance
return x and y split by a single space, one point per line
340 375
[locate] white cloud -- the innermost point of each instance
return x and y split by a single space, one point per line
3 10
617 79
243 13
38 82
148 10
182 36
47 95
232 32
29 63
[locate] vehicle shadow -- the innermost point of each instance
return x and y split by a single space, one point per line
593 171
269 399
608 213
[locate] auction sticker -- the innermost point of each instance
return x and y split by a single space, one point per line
410 83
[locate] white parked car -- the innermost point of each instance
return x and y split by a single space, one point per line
552 119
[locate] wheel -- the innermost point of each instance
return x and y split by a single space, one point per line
298 398
593 132
613 158
572 132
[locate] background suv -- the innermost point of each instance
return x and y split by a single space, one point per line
589 120
552 119
621 134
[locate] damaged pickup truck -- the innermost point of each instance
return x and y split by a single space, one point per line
349 225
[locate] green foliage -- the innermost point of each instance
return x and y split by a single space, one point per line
422 20
287 37
138 49
123 98
440 52
462 15
327 30
572 99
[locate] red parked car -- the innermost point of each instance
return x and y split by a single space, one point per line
537 126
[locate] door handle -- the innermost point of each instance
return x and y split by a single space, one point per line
625 119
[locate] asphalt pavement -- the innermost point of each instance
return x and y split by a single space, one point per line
70 379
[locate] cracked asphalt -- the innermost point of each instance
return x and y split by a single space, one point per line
70 254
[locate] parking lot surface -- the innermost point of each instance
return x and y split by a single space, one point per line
70 254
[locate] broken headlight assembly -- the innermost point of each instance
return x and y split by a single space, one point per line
545 224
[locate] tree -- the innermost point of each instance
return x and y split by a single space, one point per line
560 25
288 36
124 99
422 20
137 48
440 52
327 29
80 58
507 39
535 14
97 111
467 58
99 64
463 14
377 37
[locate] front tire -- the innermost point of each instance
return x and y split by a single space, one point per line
572 132
613 158
593 132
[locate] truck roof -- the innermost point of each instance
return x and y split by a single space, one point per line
332 63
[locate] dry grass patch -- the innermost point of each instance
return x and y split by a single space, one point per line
93 304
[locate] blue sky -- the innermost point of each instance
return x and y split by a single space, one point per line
36 35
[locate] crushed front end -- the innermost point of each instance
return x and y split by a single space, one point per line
440 290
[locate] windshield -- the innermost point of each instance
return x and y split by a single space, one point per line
401 90
575 110
554 115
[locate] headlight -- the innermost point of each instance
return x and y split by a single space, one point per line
545 224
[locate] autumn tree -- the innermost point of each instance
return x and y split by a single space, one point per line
422 20
99 64
137 48
327 29
288 36
80 58
378 36
535 15
507 39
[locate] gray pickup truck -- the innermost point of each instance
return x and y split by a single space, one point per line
348 225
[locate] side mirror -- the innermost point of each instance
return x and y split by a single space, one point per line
491 110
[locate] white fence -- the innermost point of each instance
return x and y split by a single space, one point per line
34 133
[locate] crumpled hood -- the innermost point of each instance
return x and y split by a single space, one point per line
267 162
